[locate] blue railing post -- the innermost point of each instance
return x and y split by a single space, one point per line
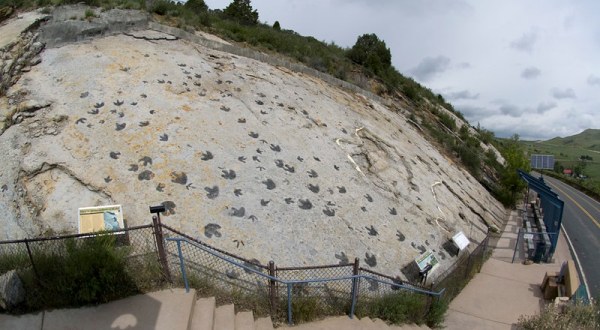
354 286
289 296
182 265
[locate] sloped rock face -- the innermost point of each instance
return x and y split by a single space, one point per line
254 159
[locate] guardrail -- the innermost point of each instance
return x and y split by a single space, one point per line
290 283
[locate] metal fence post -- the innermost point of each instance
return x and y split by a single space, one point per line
161 247
37 276
182 265
272 288
516 246
355 281
467 269
485 245
289 297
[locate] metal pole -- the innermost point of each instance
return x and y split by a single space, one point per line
485 245
516 246
353 297
182 265
37 276
355 282
289 297
272 288
161 247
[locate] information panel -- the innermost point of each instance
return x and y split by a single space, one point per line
97 218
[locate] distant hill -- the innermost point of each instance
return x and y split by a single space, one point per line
568 152
588 139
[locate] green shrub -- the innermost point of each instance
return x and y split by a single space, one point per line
437 311
305 309
86 271
9 261
448 121
89 13
398 308
162 7
572 316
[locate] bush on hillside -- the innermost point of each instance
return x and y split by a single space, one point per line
242 12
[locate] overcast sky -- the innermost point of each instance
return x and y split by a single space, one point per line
525 67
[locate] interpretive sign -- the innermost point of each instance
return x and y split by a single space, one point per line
97 218
426 259
460 240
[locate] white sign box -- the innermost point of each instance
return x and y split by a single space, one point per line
460 240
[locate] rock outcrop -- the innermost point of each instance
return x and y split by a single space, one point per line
255 159
12 292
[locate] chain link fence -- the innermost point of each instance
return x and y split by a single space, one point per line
455 278
156 255
214 272
313 299
74 270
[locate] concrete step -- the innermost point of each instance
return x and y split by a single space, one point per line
379 324
204 314
366 322
244 321
165 309
263 323
224 318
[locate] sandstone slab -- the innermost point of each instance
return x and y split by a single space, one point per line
254 159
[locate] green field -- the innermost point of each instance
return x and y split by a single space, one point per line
568 152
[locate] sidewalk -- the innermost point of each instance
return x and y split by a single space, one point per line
503 291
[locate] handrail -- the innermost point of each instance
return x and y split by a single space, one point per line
289 283
55 238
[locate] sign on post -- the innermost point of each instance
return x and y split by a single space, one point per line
460 240
426 259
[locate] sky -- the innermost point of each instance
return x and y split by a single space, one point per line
530 68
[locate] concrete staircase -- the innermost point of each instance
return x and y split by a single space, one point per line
173 309
206 316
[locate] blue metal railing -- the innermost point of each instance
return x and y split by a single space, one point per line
290 283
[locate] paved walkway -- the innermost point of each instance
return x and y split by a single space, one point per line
503 291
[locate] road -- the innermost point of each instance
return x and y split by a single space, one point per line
581 221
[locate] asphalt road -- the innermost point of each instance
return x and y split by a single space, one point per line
581 221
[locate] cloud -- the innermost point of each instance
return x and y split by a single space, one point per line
464 65
593 80
430 66
525 42
464 95
474 113
530 72
511 110
559 94
545 106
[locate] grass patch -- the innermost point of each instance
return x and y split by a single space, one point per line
398 308
571 316
81 271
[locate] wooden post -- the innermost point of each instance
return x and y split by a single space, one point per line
162 255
